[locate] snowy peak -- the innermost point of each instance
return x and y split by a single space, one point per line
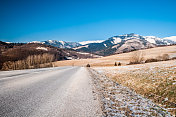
172 38
62 42
120 38
125 43
158 41
59 44
116 40
151 39
115 44
129 35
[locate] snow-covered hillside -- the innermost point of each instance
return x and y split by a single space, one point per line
125 43
88 42
115 44
59 44
173 38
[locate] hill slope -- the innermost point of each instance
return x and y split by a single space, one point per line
124 43
20 51
124 58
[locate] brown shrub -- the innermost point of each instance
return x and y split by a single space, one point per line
151 60
88 65
165 57
136 58
119 64
159 58
115 64
173 58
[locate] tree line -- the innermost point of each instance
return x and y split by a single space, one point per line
32 61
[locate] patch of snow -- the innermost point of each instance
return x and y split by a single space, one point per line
166 99
35 42
97 56
150 39
83 53
117 40
105 45
69 58
93 55
88 42
173 38
62 42
8 42
51 41
42 48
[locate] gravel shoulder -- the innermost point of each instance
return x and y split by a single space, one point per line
119 101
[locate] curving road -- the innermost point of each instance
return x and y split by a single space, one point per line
47 92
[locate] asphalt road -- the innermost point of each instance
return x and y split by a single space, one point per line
48 92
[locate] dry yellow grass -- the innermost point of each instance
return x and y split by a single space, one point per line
156 81
123 58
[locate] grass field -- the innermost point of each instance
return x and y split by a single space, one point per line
123 58
156 81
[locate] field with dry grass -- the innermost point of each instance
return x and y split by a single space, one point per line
156 81
123 58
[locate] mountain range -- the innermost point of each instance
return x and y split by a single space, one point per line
114 45
124 43
59 44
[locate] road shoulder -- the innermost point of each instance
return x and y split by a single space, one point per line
117 100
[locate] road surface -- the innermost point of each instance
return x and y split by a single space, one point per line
47 92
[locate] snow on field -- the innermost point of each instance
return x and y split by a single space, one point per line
42 48
120 101
93 55
122 69
154 80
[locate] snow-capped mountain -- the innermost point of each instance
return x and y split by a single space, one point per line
150 39
59 44
124 43
88 42
172 38
113 45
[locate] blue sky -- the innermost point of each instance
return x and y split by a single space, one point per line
81 20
